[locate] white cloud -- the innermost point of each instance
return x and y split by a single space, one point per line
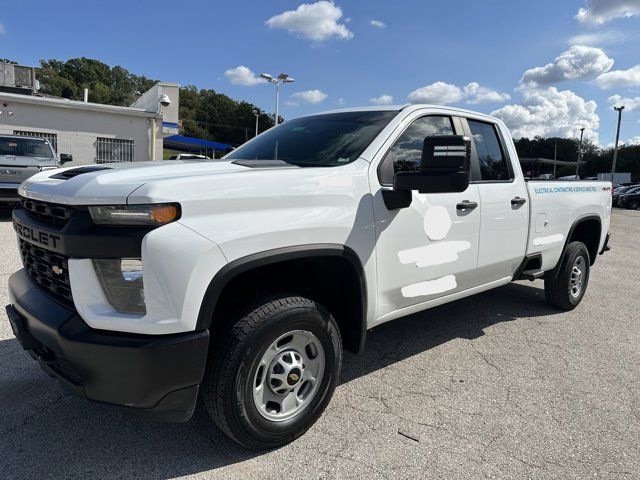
634 141
597 12
477 94
242 75
314 21
629 103
309 96
598 38
441 93
340 101
378 24
620 78
550 112
2 29
382 100
579 62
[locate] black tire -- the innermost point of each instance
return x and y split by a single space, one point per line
234 360
634 205
559 290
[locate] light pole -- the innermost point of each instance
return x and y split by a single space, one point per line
579 153
255 112
615 150
282 78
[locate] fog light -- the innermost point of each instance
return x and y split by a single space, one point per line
121 282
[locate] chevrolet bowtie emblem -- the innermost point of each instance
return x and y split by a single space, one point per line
294 377
57 270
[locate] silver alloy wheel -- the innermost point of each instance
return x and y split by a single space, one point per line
577 276
288 375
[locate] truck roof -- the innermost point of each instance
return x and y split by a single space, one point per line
411 107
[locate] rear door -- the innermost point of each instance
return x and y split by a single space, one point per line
503 200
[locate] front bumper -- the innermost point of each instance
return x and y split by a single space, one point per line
151 376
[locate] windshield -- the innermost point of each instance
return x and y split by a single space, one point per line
25 147
319 140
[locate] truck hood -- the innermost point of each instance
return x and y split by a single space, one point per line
113 183
12 161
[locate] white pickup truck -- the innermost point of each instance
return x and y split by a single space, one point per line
237 282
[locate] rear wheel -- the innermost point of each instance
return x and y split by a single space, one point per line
273 373
634 205
568 288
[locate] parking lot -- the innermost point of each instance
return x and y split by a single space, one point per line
498 385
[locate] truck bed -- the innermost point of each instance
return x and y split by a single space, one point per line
554 208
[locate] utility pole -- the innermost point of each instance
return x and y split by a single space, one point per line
615 150
555 157
579 153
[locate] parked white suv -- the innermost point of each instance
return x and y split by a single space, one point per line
21 157
239 281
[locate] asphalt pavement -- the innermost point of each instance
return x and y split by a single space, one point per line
499 385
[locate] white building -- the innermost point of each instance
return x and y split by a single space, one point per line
93 132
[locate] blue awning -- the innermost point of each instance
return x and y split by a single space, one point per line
188 144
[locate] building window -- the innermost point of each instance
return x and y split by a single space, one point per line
114 150
52 138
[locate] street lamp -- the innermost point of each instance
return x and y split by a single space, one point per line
282 78
255 112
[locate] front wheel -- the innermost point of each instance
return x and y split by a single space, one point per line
568 288
272 374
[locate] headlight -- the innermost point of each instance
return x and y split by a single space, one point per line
152 215
121 281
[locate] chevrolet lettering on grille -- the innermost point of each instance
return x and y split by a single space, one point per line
39 237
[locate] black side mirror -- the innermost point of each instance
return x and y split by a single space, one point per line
65 157
444 166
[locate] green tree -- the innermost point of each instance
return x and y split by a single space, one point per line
203 113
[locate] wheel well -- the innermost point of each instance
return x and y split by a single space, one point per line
588 232
333 281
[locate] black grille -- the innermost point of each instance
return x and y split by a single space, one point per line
49 270
52 213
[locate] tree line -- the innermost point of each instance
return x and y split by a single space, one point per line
205 113
598 159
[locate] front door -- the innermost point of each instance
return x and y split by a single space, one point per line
429 249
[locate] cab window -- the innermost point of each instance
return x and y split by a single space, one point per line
493 164
406 152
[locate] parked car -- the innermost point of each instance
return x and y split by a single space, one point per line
630 199
239 282
619 191
20 158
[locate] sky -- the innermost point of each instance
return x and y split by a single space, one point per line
545 67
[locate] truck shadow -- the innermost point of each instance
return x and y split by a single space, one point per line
400 339
46 432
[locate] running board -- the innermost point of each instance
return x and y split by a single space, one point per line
532 274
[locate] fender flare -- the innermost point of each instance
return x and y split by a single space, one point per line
553 273
269 257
